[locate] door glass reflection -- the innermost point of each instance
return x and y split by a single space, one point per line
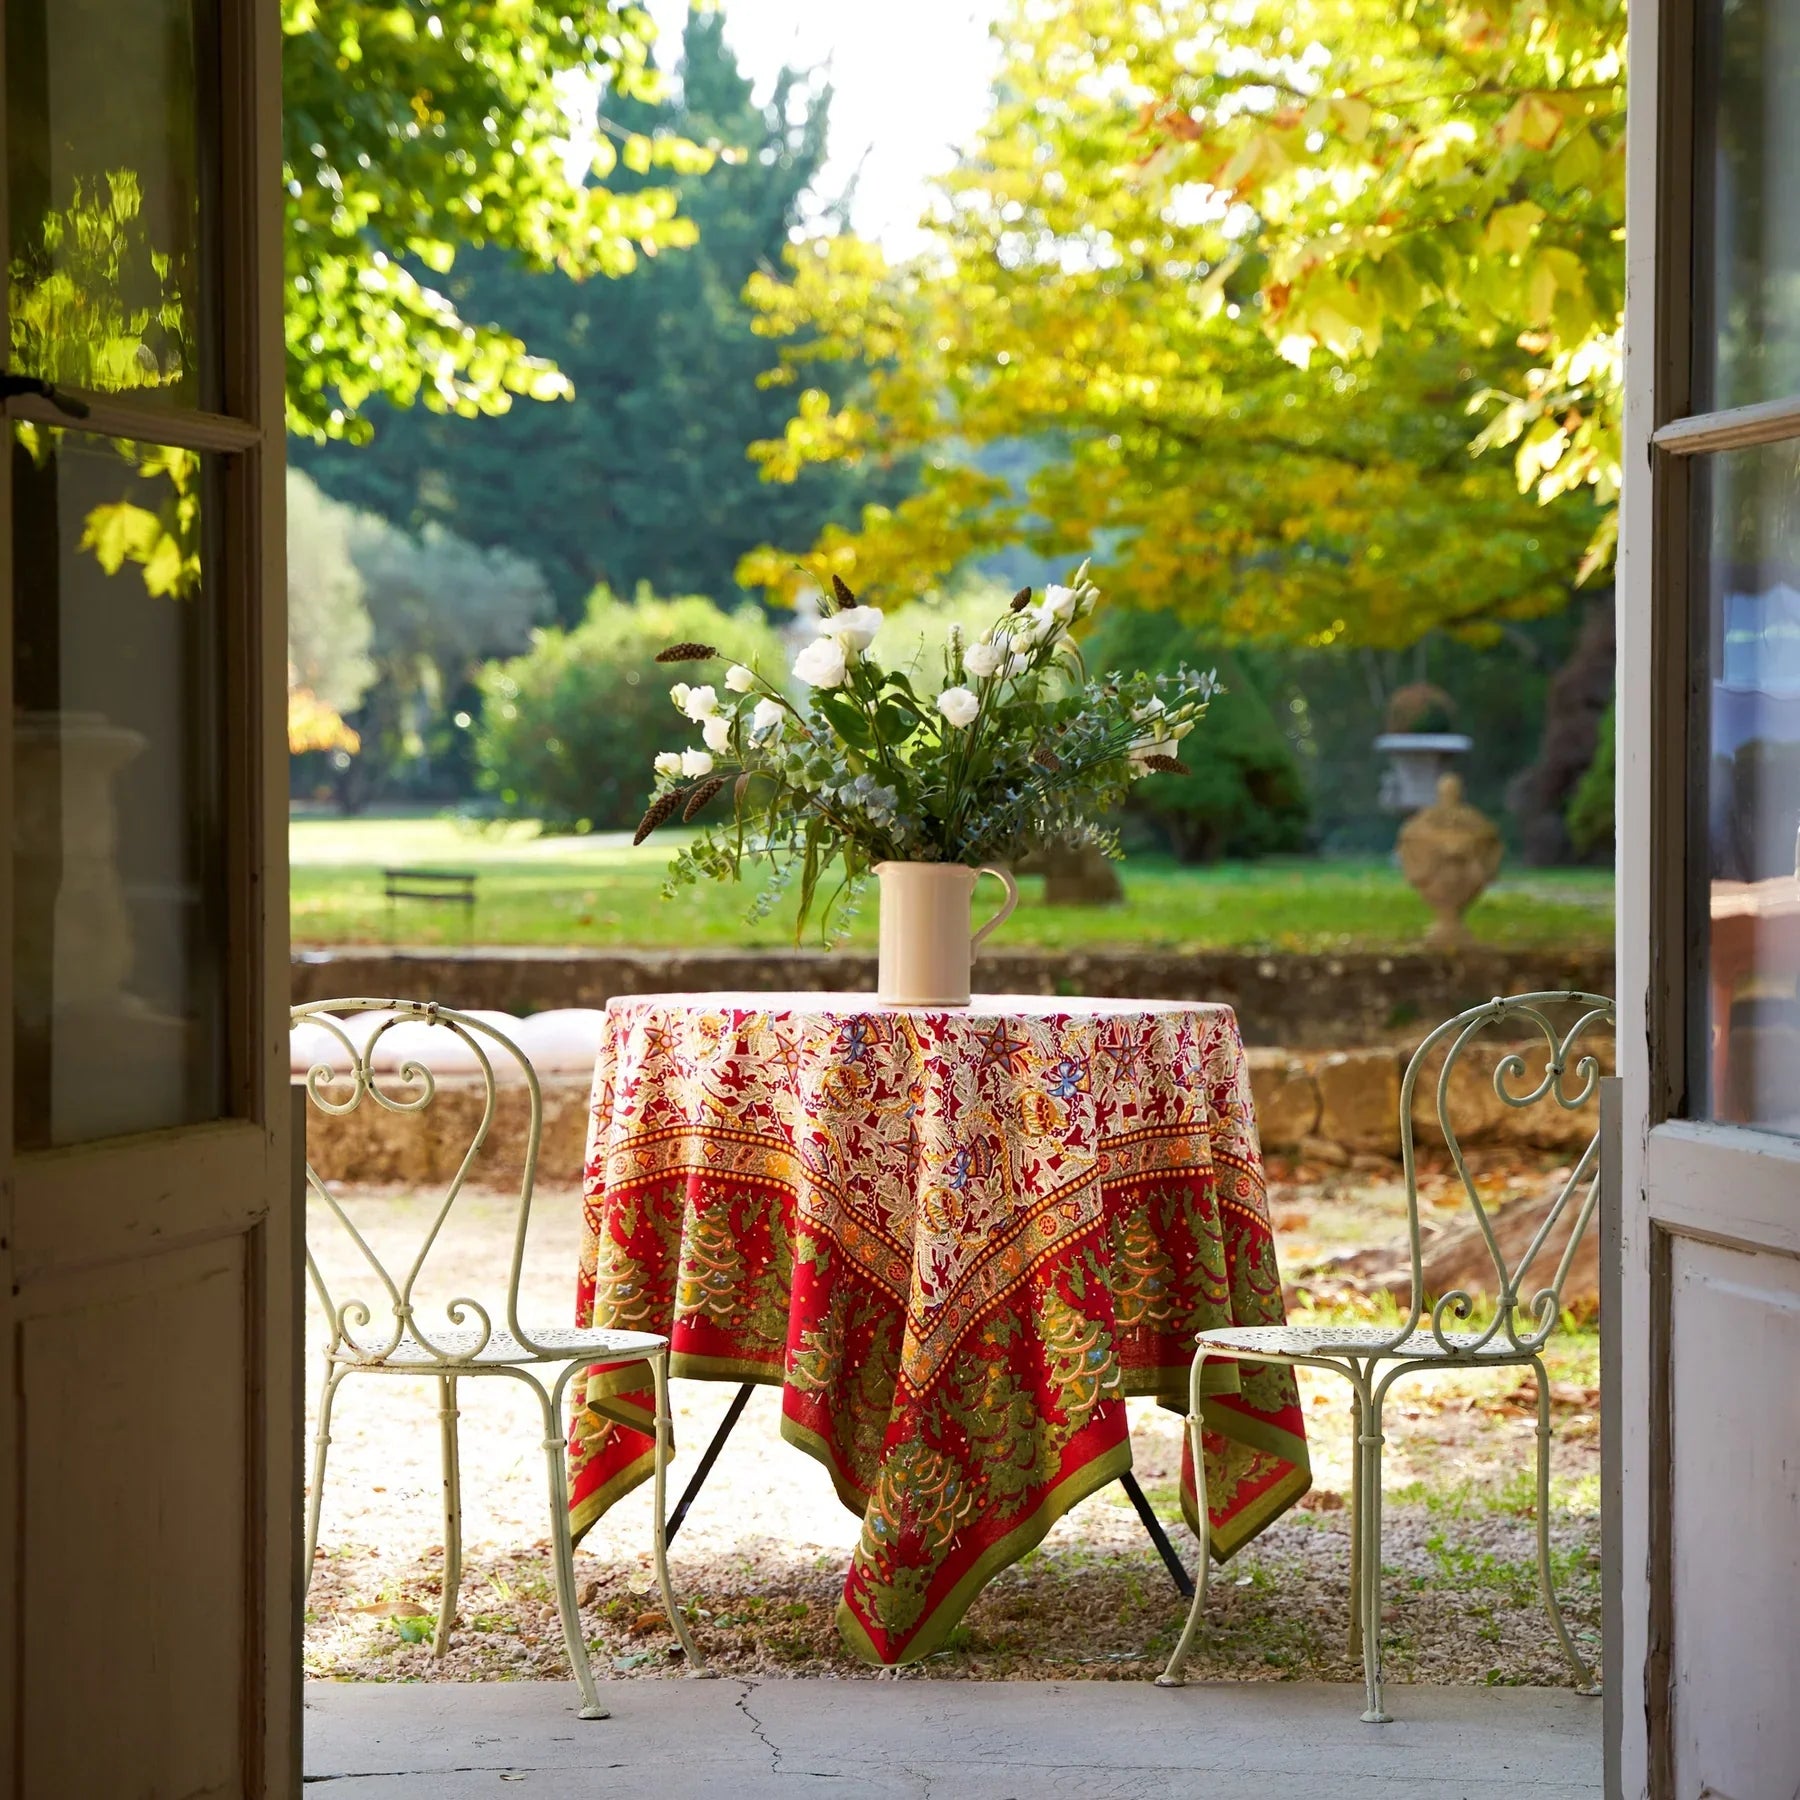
1749 1052
118 929
111 112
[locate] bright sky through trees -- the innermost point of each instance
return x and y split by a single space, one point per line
911 80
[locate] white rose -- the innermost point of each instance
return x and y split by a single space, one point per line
959 706
668 762
766 718
855 627
823 663
700 703
1063 603
739 679
717 732
981 660
695 762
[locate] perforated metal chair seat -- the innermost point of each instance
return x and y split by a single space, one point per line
1352 1340
557 1344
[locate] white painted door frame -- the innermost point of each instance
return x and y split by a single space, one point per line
1694 1199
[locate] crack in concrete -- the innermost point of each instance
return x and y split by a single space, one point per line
756 1728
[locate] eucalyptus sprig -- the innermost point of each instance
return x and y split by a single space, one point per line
1019 747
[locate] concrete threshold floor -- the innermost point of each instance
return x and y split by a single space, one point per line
917 1739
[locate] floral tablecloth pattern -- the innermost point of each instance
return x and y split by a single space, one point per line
956 1239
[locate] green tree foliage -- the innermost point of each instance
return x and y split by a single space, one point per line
1142 250
568 730
440 608
643 476
329 629
1246 795
414 130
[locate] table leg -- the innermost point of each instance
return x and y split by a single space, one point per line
733 1413
1184 1583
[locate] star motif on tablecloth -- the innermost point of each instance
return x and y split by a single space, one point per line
1003 1048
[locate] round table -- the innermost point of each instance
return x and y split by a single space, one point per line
957 1239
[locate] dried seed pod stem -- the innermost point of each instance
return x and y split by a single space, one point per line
842 591
1167 765
658 813
702 794
680 653
1020 600
1047 759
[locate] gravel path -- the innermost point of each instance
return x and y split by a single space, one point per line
762 1556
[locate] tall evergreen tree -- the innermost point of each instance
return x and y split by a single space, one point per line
643 476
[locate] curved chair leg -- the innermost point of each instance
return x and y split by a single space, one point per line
665 1451
447 1417
562 1549
1584 1676
321 1444
1175 1674
1369 1443
1356 1516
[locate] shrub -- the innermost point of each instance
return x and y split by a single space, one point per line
569 728
1246 795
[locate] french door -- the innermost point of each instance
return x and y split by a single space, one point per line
1706 1662
148 1328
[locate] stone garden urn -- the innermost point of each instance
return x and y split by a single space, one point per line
1449 852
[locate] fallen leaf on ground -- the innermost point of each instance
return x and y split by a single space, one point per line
394 1609
650 1621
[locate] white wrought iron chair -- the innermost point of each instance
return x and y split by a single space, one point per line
387 1337
1372 1358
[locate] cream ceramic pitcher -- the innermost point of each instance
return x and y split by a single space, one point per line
926 941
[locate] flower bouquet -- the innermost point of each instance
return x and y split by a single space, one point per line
870 766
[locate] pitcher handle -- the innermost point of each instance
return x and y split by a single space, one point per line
1004 877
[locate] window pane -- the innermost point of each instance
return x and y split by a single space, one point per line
1749 539
110 119
1746 204
118 932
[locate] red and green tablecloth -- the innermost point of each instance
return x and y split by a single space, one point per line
956 1239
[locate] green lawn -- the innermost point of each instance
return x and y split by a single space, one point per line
600 891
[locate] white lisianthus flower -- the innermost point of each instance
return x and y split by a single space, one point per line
981 660
717 732
766 718
1063 604
1018 663
824 662
739 679
855 627
959 706
679 694
700 703
695 762
668 762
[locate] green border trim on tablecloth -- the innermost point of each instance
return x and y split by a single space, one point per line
583 1517
1273 1441
803 1437
947 1615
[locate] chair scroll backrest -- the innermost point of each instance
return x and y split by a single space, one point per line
1561 1027
342 1078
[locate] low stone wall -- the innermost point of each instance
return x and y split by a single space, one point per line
1341 1000
1332 1108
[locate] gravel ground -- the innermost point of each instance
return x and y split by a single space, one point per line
761 1558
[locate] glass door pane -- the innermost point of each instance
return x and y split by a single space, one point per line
1747 1053
1747 209
119 942
111 124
